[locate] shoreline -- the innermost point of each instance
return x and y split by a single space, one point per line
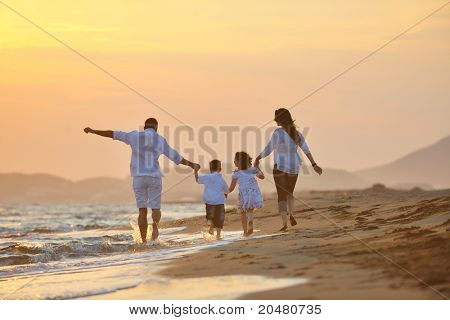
410 228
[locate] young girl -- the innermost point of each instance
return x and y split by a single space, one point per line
250 197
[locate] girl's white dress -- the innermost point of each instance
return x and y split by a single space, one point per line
250 196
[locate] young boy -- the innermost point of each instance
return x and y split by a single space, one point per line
214 196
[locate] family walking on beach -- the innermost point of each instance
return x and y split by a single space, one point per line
148 145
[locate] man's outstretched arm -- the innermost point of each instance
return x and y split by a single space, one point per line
103 133
173 155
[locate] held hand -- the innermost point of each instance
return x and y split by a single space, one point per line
196 167
87 130
257 161
318 169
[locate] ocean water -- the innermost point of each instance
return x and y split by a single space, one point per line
79 251
39 234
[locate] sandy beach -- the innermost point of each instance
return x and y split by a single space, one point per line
369 244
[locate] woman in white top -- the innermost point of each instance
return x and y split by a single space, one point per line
284 143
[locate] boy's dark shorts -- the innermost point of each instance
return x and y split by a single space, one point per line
216 213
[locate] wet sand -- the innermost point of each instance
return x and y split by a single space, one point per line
371 244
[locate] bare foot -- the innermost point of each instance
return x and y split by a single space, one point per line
155 232
292 220
250 228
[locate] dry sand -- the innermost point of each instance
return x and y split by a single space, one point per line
404 237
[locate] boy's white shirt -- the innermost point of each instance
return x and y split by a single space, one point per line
215 188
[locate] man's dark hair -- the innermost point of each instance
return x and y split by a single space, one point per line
151 123
214 165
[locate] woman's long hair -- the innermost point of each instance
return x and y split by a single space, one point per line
284 119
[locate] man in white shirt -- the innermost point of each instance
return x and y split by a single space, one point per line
146 148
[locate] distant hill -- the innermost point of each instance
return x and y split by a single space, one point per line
44 188
36 188
427 166
331 179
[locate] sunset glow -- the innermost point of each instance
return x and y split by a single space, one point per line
215 62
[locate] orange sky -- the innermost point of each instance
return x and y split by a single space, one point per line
219 63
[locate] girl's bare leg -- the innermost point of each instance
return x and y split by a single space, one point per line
250 221
218 233
244 221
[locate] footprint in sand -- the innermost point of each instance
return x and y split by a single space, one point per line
365 213
370 227
338 208
277 266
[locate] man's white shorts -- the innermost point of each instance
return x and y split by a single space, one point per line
147 191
